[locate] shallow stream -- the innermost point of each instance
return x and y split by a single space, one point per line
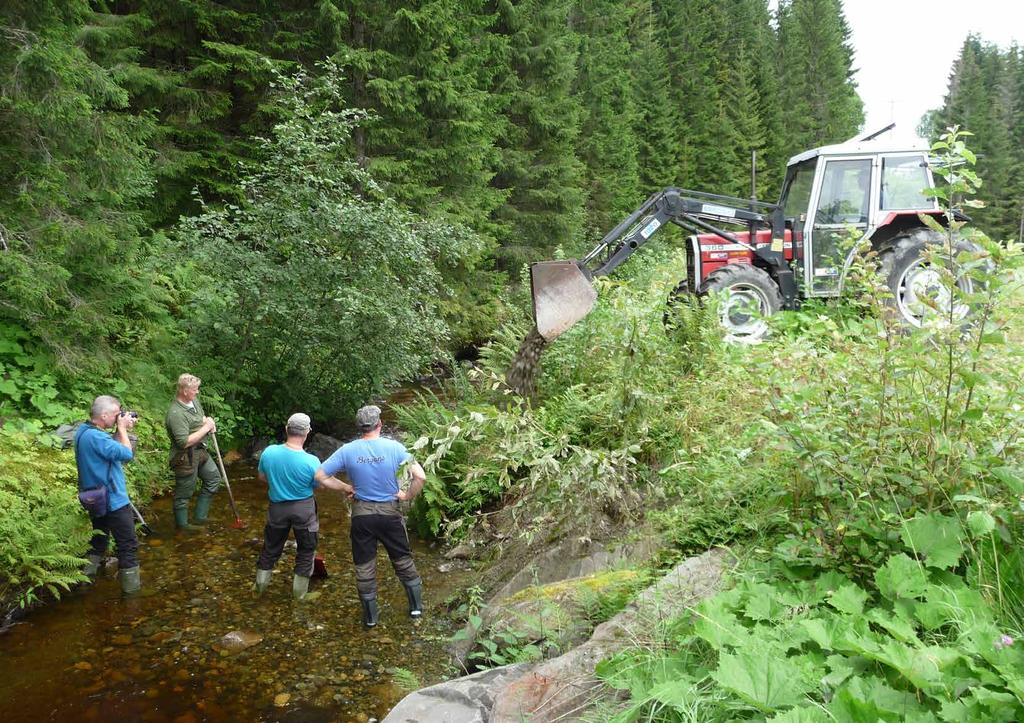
158 657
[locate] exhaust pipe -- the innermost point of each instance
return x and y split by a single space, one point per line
562 295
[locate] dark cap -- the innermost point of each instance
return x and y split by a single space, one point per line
368 417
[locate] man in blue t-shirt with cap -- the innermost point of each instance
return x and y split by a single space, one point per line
371 464
289 473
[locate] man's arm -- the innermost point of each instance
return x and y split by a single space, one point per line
117 448
177 426
197 436
419 477
332 483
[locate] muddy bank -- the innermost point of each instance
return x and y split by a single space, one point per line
163 657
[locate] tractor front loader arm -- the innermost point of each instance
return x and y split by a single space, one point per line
562 290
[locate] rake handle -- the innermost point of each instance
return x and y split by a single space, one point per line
224 475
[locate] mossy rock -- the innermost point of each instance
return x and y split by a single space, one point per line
562 614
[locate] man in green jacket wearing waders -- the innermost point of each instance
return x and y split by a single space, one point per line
187 427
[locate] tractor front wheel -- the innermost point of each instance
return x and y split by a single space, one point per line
748 294
918 291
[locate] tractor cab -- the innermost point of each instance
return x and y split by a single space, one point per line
870 185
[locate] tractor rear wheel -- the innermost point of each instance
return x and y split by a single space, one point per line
749 294
917 288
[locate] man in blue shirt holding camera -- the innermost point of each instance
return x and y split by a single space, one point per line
99 457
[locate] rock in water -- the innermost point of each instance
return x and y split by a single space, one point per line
238 640
322 446
522 375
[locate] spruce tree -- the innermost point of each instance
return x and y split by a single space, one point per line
607 142
818 92
74 172
658 119
537 167
424 68
980 99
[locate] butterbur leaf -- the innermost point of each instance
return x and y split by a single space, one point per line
868 700
763 680
936 537
803 714
848 599
676 694
719 627
896 625
823 630
901 577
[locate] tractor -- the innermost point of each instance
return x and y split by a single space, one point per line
765 257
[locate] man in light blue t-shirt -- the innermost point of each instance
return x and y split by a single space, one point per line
290 472
371 464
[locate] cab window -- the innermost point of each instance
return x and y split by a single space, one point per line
797 194
904 179
845 192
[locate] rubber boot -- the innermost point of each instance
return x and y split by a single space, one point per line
300 586
181 520
371 612
92 567
202 514
414 591
262 581
131 581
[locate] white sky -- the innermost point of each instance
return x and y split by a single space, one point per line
904 51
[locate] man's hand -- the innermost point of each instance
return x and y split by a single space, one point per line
125 422
211 426
402 496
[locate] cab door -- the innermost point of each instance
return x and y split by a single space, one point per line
844 200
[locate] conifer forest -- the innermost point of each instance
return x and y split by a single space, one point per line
314 205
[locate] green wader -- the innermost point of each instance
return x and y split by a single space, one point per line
185 486
181 421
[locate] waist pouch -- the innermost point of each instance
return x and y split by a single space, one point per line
365 507
94 500
186 461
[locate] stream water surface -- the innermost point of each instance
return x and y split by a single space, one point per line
159 657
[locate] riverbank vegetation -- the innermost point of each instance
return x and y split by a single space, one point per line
867 477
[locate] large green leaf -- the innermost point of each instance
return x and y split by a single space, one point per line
803 714
901 577
869 700
718 626
762 680
936 537
848 599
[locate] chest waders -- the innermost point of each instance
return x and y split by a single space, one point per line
382 522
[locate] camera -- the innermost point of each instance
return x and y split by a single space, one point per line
129 413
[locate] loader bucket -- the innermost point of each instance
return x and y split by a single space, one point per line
562 295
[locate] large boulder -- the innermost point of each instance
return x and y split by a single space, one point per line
557 616
567 560
463 700
563 688
322 446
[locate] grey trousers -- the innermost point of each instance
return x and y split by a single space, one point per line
300 517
